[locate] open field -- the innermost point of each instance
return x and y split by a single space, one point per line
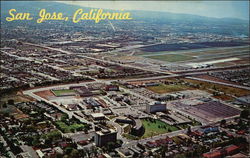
241 61
218 51
62 92
171 57
226 89
201 55
156 127
163 88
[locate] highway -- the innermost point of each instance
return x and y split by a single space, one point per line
96 59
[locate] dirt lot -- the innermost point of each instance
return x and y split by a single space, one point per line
45 94
207 77
224 97
231 63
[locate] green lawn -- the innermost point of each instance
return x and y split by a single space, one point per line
63 92
69 128
171 57
163 88
129 136
156 127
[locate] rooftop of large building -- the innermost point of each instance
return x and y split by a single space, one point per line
105 132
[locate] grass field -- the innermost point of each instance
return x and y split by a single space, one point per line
171 57
69 128
163 88
63 92
156 127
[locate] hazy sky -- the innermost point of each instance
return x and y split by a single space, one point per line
218 9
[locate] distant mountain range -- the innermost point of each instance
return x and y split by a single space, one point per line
234 25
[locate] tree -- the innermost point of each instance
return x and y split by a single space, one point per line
35 141
68 150
4 105
11 102
244 114
74 153
59 155
64 117
72 130
189 130
223 122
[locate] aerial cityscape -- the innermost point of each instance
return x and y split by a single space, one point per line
162 84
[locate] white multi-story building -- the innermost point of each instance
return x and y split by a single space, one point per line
156 107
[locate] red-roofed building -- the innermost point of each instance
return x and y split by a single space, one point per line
232 149
229 135
112 88
213 154
169 140
196 133
63 144
229 150
83 142
160 142
151 144
241 132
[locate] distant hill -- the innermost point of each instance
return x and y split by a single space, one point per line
34 6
